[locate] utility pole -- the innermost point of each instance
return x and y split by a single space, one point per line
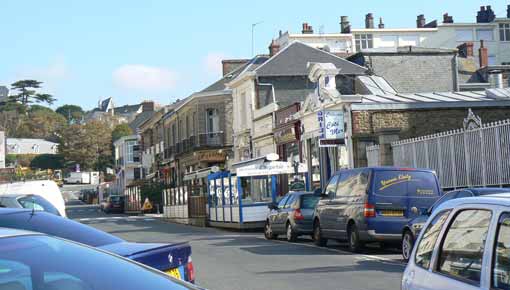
252 37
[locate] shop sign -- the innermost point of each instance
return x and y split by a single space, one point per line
270 168
211 156
331 127
285 135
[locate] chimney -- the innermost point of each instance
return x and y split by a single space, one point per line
229 65
483 54
381 24
273 48
369 21
496 79
420 21
485 15
447 18
466 49
307 29
345 26
148 106
508 11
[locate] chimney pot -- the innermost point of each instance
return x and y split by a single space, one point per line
345 26
447 18
307 29
420 21
483 55
381 24
508 11
369 21
273 48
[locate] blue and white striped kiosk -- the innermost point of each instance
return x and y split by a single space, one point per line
239 198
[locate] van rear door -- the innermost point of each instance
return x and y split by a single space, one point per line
395 193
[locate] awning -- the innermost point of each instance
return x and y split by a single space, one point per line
254 161
202 173
270 168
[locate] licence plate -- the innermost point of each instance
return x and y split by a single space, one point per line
174 273
395 213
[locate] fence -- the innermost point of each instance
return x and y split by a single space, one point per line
373 155
461 158
133 203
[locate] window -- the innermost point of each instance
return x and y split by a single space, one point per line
464 35
484 34
290 201
37 203
501 267
188 127
364 41
446 197
425 248
137 173
462 249
504 31
264 95
352 183
309 201
212 121
331 187
281 203
130 150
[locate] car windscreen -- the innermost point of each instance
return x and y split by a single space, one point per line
42 262
309 201
37 203
405 183
57 226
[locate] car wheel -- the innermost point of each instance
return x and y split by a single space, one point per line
407 245
355 245
268 231
318 239
291 235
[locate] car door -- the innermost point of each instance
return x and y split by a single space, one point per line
500 272
283 213
458 260
324 209
274 214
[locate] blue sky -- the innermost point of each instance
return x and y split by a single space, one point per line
163 50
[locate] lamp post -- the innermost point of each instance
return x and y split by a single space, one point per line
252 36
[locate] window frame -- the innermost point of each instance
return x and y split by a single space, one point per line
448 212
434 265
363 41
502 216
504 30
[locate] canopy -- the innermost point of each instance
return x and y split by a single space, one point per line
269 168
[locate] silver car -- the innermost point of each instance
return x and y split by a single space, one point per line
465 245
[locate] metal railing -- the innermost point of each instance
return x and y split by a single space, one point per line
461 158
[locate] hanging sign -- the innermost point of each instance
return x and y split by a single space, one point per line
331 128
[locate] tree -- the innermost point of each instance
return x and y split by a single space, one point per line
48 161
27 93
120 131
88 145
73 114
42 123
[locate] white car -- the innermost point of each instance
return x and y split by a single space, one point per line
465 245
48 189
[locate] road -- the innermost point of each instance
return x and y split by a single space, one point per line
232 260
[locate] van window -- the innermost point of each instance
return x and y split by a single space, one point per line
402 183
425 248
462 249
501 267
331 188
352 183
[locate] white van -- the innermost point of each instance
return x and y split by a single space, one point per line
45 188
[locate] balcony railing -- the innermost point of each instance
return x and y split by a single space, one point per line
215 139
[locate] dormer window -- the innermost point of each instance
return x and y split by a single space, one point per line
35 148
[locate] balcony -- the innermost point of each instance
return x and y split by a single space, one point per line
203 140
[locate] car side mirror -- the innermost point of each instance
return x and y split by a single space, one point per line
273 206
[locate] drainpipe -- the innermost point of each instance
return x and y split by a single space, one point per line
456 86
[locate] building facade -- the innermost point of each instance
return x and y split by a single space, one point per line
128 164
30 146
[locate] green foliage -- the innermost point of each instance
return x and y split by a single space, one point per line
48 161
27 93
10 159
22 160
41 123
73 114
120 131
154 191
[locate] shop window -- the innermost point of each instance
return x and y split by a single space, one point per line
504 31
461 252
364 41
256 189
315 164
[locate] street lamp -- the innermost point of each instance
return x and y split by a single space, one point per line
252 32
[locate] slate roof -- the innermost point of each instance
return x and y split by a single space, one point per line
104 104
140 119
293 61
127 109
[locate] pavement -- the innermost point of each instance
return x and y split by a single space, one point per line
231 260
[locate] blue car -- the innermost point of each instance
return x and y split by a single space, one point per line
413 228
31 260
173 259
372 204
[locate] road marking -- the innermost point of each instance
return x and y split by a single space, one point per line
359 256
118 218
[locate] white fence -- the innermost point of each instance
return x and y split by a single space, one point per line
373 155
461 158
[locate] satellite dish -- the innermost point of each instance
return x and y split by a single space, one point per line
272 157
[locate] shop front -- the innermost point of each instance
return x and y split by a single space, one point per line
240 198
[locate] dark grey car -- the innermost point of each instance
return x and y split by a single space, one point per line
292 216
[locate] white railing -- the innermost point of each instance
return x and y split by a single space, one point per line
373 155
461 158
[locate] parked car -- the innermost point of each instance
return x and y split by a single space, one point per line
464 245
45 188
173 259
113 203
372 204
36 261
28 201
292 216
413 228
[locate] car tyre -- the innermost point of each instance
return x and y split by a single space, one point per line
268 231
355 245
291 235
318 239
407 245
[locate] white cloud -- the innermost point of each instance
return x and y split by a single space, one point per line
144 78
212 63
